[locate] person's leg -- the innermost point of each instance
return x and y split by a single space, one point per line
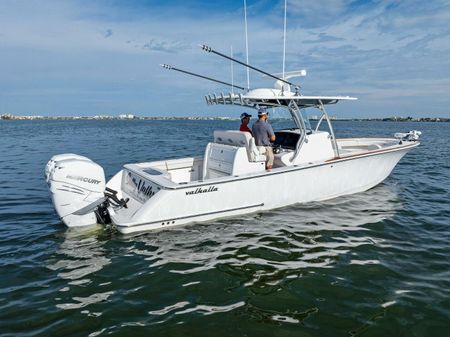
269 156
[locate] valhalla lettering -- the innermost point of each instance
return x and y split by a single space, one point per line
146 190
203 190
141 187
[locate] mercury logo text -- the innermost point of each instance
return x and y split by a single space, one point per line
84 179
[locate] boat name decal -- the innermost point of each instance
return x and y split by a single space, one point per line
199 190
141 187
84 179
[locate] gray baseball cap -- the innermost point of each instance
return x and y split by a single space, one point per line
262 111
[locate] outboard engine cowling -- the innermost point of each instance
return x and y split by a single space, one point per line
77 187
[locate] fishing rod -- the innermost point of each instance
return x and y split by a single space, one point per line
210 50
169 67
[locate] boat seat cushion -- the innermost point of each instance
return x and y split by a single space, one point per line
231 137
241 139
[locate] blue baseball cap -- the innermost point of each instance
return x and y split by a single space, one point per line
245 115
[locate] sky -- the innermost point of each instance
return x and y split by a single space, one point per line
85 58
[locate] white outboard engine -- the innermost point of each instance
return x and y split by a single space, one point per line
77 186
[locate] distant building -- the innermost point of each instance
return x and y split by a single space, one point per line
127 116
102 117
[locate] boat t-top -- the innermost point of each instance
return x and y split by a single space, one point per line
230 179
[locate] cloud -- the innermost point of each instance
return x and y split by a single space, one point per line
323 37
318 13
108 33
165 46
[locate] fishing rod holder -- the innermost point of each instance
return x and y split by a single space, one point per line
231 99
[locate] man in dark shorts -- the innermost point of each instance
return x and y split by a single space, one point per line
263 133
245 119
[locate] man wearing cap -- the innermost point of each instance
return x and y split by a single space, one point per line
263 133
245 119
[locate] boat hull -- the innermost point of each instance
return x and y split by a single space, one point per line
220 198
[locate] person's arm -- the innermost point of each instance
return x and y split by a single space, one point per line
271 133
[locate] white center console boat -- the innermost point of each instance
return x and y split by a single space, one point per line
230 179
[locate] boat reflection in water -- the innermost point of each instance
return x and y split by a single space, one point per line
79 257
281 242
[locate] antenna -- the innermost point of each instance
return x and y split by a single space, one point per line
284 38
168 67
231 64
246 44
210 50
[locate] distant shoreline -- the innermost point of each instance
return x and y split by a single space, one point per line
132 117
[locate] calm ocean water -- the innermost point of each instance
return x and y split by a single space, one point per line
371 264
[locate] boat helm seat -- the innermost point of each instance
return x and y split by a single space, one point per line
232 153
241 139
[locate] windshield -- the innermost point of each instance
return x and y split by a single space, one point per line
280 118
306 117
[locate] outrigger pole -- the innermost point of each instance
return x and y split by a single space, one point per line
210 50
246 43
166 66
